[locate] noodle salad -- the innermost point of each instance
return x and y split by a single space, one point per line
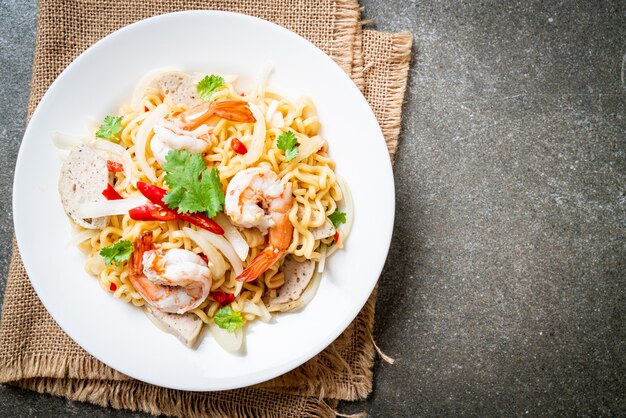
207 206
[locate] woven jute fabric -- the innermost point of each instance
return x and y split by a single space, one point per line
36 354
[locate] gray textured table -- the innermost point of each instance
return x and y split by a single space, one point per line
504 289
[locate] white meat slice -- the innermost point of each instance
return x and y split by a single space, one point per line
180 88
325 230
84 175
186 327
297 277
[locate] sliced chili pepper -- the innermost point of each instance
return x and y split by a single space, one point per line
238 146
204 258
152 212
336 237
156 194
111 194
113 287
114 167
222 298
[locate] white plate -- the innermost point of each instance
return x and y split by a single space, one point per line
96 84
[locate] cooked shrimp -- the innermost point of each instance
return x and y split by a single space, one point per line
165 140
175 281
237 111
187 131
255 197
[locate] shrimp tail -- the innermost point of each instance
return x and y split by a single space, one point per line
235 110
260 264
142 244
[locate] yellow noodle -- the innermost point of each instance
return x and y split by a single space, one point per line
313 180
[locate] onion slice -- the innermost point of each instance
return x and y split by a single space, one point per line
309 293
82 236
217 265
225 248
65 142
259 310
110 207
232 234
307 147
229 341
322 262
348 207
257 143
141 140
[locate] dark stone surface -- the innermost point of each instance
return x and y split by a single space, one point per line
504 290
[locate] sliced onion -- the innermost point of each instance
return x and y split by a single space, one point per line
95 265
141 140
257 143
232 234
66 142
121 154
258 310
274 119
146 81
348 208
217 265
82 236
109 207
238 288
310 291
322 262
307 147
229 341
224 246
266 315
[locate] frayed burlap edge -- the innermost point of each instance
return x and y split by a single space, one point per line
141 397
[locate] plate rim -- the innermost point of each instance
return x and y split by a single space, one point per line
263 375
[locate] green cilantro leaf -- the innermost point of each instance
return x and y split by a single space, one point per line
117 253
337 217
209 85
194 188
110 127
287 142
228 319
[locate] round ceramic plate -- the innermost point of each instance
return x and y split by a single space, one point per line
95 85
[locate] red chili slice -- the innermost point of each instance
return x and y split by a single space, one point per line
152 212
336 237
204 258
113 287
238 146
222 298
114 167
111 194
156 195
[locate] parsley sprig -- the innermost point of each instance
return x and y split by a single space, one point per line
209 85
193 187
228 319
337 217
117 253
111 126
287 142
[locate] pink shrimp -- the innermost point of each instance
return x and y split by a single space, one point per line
174 281
255 197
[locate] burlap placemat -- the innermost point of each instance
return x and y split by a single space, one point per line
36 354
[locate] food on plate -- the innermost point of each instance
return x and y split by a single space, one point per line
206 204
